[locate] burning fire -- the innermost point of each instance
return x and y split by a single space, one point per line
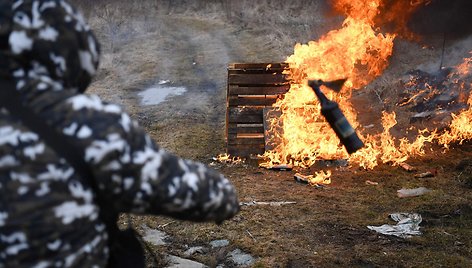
228 159
460 128
360 53
322 177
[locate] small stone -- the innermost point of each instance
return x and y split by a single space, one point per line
219 243
177 262
240 258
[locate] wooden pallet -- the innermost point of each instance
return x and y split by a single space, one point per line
251 88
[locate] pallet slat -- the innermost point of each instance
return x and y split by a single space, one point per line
251 87
247 141
256 66
251 101
245 128
234 90
239 138
245 115
257 79
245 150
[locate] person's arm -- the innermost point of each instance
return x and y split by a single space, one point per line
134 174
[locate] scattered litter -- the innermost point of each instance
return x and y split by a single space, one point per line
412 192
427 174
163 82
368 182
219 243
301 178
277 204
240 258
154 236
318 185
281 167
407 167
407 225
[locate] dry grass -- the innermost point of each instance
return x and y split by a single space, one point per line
284 22
327 227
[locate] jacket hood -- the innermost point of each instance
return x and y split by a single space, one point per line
47 41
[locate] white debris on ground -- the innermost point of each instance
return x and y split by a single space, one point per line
402 193
154 236
407 225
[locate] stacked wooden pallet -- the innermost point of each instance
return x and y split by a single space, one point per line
251 88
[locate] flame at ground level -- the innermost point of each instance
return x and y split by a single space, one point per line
386 149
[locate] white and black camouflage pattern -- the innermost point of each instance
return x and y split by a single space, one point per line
48 217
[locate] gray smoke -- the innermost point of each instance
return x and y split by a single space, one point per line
449 17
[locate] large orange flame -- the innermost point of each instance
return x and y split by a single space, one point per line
360 53
461 128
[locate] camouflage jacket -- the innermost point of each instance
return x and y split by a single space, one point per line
48 217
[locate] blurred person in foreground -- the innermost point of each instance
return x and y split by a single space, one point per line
49 216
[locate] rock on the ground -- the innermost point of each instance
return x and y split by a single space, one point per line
219 243
240 258
177 262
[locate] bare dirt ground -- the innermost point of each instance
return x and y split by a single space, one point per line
326 227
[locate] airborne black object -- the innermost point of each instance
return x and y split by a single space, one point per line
335 117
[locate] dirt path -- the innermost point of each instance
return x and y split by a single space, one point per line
189 53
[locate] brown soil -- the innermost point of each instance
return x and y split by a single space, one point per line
326 227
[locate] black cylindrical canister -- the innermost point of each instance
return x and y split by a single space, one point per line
341 126
336 119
